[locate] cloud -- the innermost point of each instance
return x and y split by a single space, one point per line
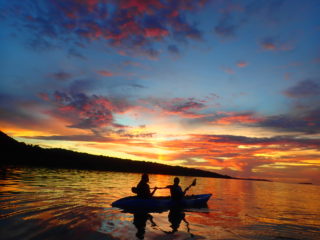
242 64
87 111
305 88
274 44
61 76
225 27
132 63
18 112
229 118
105 73
220 118
129 26
43 96
184 107
234 15
73 52
268 44
239 153
307 121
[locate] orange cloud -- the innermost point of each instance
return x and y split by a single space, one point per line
238 118
242 155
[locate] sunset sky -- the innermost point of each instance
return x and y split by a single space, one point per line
227 86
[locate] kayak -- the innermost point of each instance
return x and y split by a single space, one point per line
161 203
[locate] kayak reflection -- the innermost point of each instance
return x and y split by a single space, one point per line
175 217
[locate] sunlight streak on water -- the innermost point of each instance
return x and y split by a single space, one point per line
39 203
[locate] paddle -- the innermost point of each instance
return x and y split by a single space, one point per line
191 185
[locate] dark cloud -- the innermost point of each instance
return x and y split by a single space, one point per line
135 85
61 76
87 111
226 27
229 118
275 44
269 44
131 26
236 14
185 107
305 88
307 121
73 52
19 111
281 140
271 10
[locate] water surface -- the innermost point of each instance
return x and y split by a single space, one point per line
40 203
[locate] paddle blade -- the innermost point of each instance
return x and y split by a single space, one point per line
194 182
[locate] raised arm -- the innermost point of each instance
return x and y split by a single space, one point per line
154 190
192 184
185 191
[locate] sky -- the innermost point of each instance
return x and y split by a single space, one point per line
226 86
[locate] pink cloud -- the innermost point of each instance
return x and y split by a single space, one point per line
268 46
156 32
234 117
43 96
105 73
273 44
242 64
141 6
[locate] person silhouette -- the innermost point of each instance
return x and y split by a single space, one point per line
175 217
143 189
176 191
140 221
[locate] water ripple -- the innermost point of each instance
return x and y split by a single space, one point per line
76 204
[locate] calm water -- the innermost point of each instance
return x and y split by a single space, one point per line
74 204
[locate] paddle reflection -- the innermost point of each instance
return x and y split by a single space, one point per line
175 218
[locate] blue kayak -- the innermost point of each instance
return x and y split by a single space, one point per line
161 203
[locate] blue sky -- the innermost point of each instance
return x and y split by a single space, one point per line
238 80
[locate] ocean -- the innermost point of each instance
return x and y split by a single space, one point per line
42 203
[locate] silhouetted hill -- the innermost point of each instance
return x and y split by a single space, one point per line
17 153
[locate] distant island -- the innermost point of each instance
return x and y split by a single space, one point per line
20 154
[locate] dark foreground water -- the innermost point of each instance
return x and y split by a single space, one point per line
73 204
